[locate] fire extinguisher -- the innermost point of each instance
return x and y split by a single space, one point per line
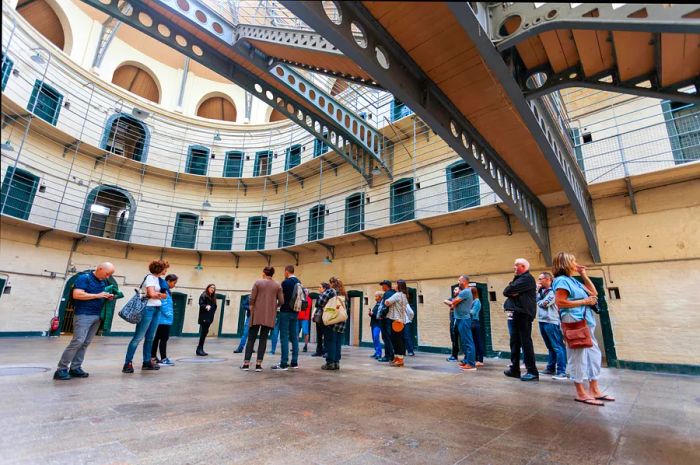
54 324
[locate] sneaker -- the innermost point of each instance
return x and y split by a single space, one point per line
560 377
511 374
384 359
328 366
78 373
128 368
294 366
280 367
479 364
62 375
258 368
467 367
398 362
149 366
529 377
167 362
336 366
245 367
451 359
548 372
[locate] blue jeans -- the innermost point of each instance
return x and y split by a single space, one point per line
288 333
478 344
551 333
244 338
408 338
334 341
146 328
376 339
386 338
464 326
275 335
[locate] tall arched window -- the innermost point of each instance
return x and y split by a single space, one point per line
293 157
219 108
257 229
355 213
462 186
185 232
18 192
108 212
126 136
317 222
288 230
137 81
44 19
197 160
222 237
402 200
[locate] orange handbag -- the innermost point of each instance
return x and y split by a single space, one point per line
397 326
577 335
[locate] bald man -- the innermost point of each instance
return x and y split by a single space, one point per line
88 298
522 302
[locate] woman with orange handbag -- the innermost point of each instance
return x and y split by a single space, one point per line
397 314
578 327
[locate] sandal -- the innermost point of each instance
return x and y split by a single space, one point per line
606 398
595 402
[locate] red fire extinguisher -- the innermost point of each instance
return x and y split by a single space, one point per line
54 324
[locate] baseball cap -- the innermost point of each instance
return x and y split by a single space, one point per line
386 281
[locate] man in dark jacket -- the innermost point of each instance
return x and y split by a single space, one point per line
386 323
522 301
288 321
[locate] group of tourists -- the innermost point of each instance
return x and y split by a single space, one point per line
564 307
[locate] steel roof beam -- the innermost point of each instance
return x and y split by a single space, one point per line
400 75
542 124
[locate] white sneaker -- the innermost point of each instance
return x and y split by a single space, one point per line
167 362
560 377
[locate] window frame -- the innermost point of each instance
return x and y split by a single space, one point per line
259 155
360 225
228 156
190 162
9 182
250 245
454 203
317 222
292 218
396 217
227 242
41 87
176 242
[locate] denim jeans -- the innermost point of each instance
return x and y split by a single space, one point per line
84 329
386 338
334 341
275 335
408 338
376 340
244 338
478 343
146 328
464 326
551 333
288 333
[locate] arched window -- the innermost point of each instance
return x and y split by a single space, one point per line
233 164
263 163
276 115
108 212
197 160
126 136
137 81
185 232
219 108
355 213
317 222
293 157
257 229
462 186
288 230
18 191
41 16
45 102
402 200
223 233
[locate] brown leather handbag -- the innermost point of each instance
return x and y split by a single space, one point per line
577 335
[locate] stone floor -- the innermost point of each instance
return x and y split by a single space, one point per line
366 413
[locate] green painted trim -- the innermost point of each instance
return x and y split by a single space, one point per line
433 349
506 355
189 334
118 333
675 368
23 333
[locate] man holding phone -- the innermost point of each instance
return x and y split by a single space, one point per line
89 296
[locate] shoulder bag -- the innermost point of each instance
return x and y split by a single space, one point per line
577 335
335 311
132 311
398 325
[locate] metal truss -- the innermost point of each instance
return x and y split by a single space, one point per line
393 68
542 122
535 19
109 29
340 138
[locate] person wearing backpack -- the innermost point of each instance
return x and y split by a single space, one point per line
288 316
89 297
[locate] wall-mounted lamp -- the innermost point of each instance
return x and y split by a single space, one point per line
228 301
198 267
217 136
38 59
327 261
238 224
189 301
7 145
15 72
206 204
376 171
66 105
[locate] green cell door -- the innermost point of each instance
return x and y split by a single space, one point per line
355 299
484 317
413 301
222 310
65 309
604 328
179 306
242 309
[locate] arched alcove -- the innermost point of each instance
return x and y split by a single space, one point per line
108 212
276 116
41 15
217 107
126 136
137 80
